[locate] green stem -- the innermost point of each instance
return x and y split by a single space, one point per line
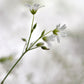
34 48
13 67
47 32
34 43
38 40
21 55
30 33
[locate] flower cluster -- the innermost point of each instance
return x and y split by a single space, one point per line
58 32
33 8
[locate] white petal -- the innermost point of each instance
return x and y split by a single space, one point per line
41 6
52 37
28 5
62 28
58 39
63 34
58 26
36 5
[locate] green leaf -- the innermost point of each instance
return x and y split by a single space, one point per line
4 59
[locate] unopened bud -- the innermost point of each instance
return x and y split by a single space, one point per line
34 26
42 33
45 48
23 39
39 44
33 11
45 38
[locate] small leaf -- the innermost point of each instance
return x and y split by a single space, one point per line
42 33
45 48
39 44
4 59
34 26
10 58
24 39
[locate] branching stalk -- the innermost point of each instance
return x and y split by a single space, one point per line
13 67
30 33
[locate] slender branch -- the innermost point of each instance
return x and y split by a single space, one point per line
34 48
34 43
13 67
47 32
30 33
26 50
38 40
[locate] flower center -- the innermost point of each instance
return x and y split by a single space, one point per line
55 31
33 11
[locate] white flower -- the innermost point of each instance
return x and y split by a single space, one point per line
48 39
59 31
33 8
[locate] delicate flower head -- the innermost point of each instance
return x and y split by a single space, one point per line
59 31
33 8
48 39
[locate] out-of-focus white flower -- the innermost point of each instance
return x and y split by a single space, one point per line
59 31
48 39
33 8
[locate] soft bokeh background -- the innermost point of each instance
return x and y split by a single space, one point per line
63 63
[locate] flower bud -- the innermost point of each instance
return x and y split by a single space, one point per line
34 26
45 48
39 44
45 38
23 39
33 11
42 33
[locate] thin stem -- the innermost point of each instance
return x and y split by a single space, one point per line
13 67
34 43
47 32
22 53
34 48
38 40
30 33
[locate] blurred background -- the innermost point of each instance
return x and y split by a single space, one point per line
63 63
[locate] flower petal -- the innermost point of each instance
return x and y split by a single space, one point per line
28 5
63 34
62 27
58 39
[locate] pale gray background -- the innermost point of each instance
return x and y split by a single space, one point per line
63 63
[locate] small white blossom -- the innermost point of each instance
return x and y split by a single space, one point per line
33 8
48 39
59 31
